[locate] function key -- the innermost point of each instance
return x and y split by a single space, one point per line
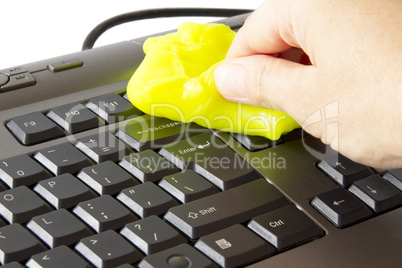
21 170
113 108
343 170
378 194
285 227
74 117
62 158
234 246
33 128
341 207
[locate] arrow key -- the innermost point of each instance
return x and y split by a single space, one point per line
378 194
341 207
343 170
60 257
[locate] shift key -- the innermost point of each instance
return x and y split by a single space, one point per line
221 210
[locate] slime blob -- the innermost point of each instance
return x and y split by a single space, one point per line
175 80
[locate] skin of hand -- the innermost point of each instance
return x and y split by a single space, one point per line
350 96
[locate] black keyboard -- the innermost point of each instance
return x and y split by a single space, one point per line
88 180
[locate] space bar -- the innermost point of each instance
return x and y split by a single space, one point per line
218 211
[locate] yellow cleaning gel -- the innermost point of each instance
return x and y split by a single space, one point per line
175 80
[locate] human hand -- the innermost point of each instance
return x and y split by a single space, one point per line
350 97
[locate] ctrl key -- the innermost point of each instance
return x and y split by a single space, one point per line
180 256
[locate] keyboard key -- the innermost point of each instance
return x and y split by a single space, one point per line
187 186
255 143
62 158
13 265
74 117
234 246
147 166
126 265
106 178
394 176
21 170
147 199
108 249
182 255
3 186
378 194
207 155
152 235
148 132
218 211
102 147
17 244
341 207
34 128
113 108
343 170
104 213
60 257
285 227
20 204
64 191
58 228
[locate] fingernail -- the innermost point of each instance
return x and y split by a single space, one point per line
230 80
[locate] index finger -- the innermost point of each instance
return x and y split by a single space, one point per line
267 30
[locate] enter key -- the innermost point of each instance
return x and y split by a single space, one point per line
207 155
221 210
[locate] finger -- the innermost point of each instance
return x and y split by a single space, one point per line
268 82
267 30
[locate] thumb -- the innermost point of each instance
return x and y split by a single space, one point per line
267 82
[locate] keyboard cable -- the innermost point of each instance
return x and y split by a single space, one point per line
101 28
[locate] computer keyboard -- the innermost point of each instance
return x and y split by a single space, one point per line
87 180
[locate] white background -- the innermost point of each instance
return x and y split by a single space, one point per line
36 30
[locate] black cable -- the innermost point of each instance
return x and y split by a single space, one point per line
157 13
